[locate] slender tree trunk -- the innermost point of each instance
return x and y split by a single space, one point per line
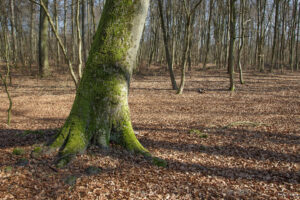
274 60
232 19
241 39
297 40
83 31
56 26
187 38
93 16
73 16
32 15
100 113
211 5
88 25
74 77
7 61
282 42
189 15
43 43
65 24
79 39
13 27
293 36
172 76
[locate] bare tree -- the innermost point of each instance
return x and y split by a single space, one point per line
43 42
189 12
232 21
169 60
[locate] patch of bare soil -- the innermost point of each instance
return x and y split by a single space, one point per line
218 144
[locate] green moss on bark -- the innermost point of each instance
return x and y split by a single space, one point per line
100 111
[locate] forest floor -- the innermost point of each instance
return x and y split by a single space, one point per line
217 144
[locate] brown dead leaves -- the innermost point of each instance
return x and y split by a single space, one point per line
258 159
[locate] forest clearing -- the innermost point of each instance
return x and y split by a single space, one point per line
149 99
217 144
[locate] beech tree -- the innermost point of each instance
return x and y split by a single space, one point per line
100 112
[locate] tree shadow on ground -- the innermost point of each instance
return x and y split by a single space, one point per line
236 134
12 138
232 173
230 150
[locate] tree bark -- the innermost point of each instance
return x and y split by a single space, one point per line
93 17
187 38
274 57
65 24
32 15
43 43
83 30
100 113
79 40
241 39
232 18
297 40
13 27
74 77
3 78
169 60
211 4
293 36
189 13
56 26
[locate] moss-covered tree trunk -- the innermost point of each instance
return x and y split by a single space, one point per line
100 113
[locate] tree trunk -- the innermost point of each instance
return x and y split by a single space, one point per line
32 15
56 26
169 60
79 41
231 43
297 40
211 4
187 38
189 15
43 6
65 24
43 43
93 17
3 78
293 36
83 30
274 57
73 16
14 40
100 112
241 39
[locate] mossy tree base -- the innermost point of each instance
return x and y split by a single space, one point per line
100 113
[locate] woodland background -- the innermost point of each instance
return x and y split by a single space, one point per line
218 144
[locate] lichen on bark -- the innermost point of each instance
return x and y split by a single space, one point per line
100 112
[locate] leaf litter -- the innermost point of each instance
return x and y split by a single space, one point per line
250 148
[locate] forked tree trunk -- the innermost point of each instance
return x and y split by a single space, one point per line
100 113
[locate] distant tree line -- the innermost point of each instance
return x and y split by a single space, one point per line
234 34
